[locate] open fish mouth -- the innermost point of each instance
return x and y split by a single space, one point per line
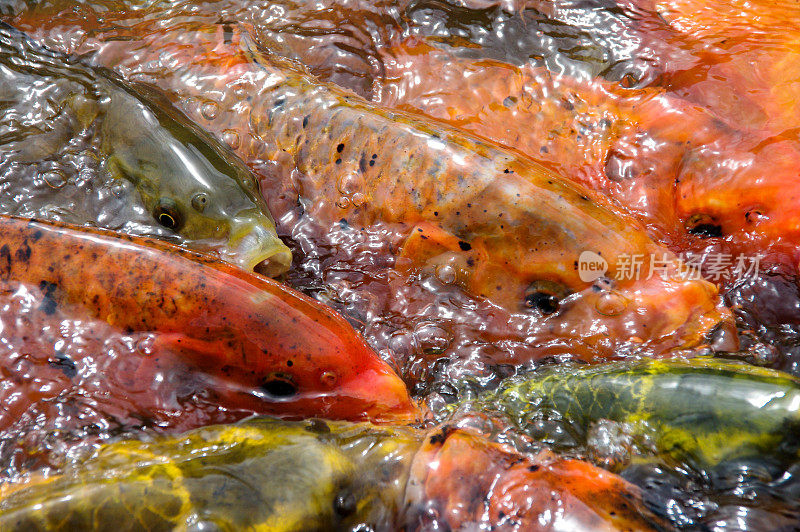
687 312
274 265
255 248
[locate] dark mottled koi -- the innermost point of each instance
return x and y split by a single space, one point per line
264 474
261 474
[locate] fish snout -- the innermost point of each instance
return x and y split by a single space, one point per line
383 397
671 313
256 247
275 264
658 315
724 337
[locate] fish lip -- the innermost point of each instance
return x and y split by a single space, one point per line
385 397
256 247
698 318
273 265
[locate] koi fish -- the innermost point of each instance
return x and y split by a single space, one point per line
460 480
511 231
160 175
271 349
262 474
671 164
702 411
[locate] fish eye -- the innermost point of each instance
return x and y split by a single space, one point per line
344 504
279 386
199 201
545 296
168 214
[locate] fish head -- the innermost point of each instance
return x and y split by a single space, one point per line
647 316
600 301
334 374
372 492
743 194
577 277
539 491
292 357
194 189
311 474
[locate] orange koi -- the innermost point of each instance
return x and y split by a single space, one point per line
673 165
459 479
271 349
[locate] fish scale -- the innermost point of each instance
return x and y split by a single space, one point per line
703 411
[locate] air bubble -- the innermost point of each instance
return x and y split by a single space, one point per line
54 178
611 304
348 184
231 138
358 199
432 339
209 110
145 346
446 274
118 189
329 379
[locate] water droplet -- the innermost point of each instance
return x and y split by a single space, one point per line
358 199
54 178
764 354
209 110
118 189
432 339
724 338
231 138
199 201
436 403
446 274
611 304
348 184
388 355
145 346
328 378
401 344
242 89
620 167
